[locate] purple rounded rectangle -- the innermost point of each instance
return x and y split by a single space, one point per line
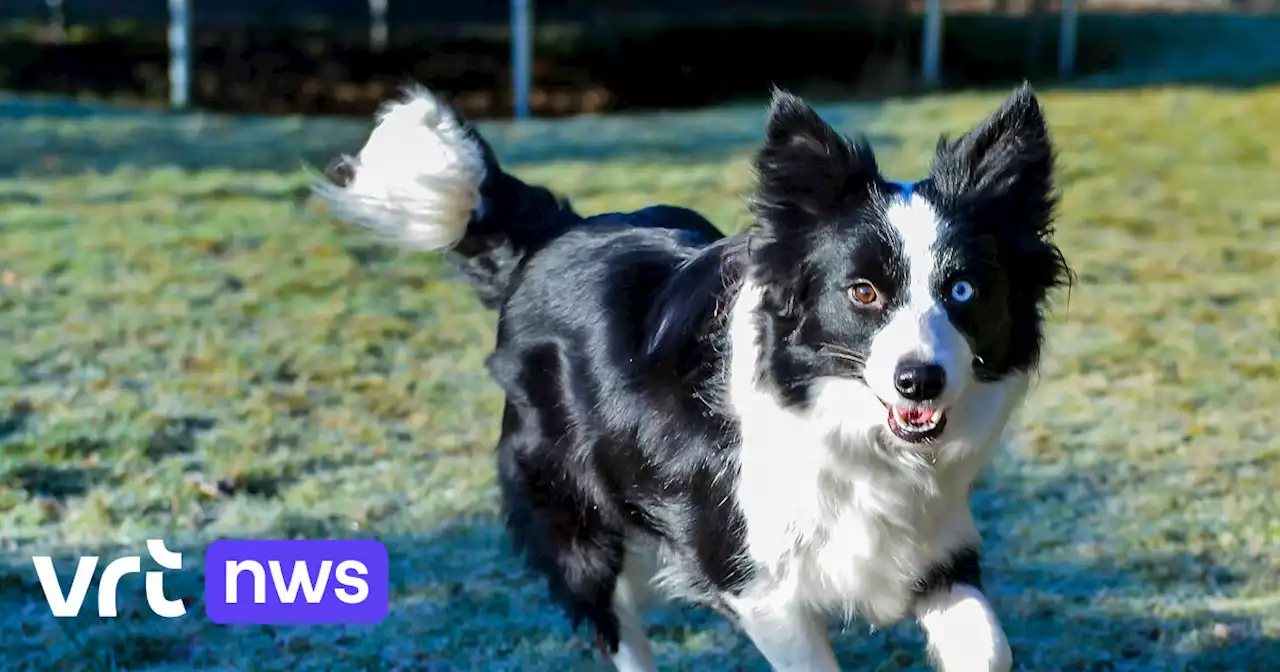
294 582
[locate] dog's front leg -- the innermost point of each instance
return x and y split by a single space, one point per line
792 639
964 632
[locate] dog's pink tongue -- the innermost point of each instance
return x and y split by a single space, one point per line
918 416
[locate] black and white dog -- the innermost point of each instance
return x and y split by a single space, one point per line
782 425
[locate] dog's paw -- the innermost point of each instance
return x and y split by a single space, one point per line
995 657
1004 659
964 633
976 655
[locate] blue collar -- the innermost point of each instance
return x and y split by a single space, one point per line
906 187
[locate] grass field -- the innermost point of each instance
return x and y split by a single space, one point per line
190 349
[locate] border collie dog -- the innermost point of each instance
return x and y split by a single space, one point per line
782 425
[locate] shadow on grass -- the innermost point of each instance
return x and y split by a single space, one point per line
15 420
55 482
52 138
71 474
460 601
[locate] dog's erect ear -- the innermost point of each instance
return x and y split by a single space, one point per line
1000 176
1008 156
805 169
807 174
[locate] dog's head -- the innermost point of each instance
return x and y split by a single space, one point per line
899 309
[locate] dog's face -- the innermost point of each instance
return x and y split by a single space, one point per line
897 308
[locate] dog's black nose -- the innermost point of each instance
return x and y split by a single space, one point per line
919 381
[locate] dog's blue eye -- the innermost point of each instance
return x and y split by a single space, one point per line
962 291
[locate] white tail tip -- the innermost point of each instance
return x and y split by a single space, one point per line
417 178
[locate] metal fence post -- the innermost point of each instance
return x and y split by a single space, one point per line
1067 38
379 32
931 50
179 54
57 20
522 54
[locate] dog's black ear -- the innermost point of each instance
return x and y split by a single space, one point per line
1008 158
1000 176
807 174
805 169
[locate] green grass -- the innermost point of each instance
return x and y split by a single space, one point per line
191 349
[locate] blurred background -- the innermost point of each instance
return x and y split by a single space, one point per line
590 56
191 349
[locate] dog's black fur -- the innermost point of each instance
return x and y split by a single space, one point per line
612 338
606 337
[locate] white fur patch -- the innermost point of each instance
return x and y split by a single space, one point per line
920 329
964 632
838 523
918 226
632 596
841 524
417 179
791 638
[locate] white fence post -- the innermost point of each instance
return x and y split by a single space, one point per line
179 54
379 32
522 54
931 50
1067 38
57 20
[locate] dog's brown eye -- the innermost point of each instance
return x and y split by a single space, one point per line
863 293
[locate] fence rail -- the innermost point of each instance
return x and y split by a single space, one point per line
516 15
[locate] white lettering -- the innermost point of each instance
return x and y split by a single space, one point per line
301 578
345 569
108 584
259 580
65 606
161 605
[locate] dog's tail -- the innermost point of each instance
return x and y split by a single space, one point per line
427 180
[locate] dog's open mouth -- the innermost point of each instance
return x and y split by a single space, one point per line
916 425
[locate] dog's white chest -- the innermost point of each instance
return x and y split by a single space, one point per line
840 546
